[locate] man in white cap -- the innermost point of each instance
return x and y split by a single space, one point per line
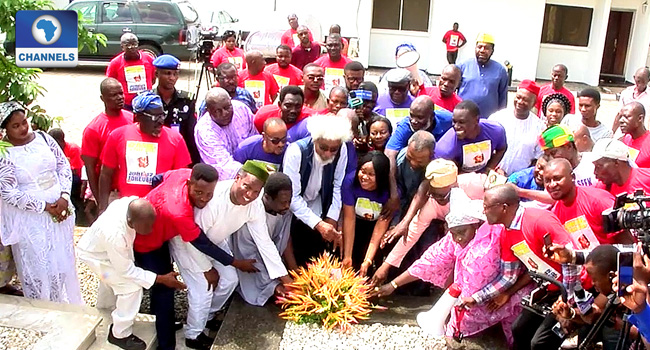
394 103
615 170
485 81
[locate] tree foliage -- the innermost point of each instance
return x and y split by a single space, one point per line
21 84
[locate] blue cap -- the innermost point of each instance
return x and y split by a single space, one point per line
167 61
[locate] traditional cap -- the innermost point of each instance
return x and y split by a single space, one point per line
485 38
398 76
463 210
441 173
529 86
146 100
167 61
7 108
406 55
612 149
258 169
555 136
566 103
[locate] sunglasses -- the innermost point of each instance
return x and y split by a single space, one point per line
397 88
276 140
155 118
324 148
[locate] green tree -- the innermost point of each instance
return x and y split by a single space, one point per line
21 84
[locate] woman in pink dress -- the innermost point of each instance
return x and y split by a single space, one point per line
470 250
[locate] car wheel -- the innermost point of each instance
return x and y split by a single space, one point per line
152 50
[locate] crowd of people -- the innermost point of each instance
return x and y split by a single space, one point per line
410 184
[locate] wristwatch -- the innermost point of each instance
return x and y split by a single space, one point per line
66 196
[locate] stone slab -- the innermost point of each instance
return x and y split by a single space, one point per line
247 327
66 326
144 327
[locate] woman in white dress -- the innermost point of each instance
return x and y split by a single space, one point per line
37 219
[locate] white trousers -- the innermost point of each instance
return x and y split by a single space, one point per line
126 306
204 303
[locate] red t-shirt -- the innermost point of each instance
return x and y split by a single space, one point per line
528 230
453 39
273 111
584 215
325 62
137 157
262 86
548 90
448 103
135 76
236 57
285 76
73 153
96 133
639 179
290 38
174 213
639 149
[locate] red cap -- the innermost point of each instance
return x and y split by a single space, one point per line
530 86
454 290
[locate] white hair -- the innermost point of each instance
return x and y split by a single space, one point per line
328 127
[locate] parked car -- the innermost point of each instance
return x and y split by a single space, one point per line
162 26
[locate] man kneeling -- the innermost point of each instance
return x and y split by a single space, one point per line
107 249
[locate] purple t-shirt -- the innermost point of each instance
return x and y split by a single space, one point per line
393 112
251 149
367 205
472 155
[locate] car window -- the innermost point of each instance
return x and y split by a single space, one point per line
222 18
189 13
227 17
88 10
115 12
157 13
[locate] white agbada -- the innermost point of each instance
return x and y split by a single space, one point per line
521 135
257 288
219 220
107 249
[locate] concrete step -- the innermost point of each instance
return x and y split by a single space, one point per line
144 328
65 326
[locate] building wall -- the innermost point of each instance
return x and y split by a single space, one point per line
637 53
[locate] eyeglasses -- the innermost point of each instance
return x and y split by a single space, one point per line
355 79
325 148
155 118
276 140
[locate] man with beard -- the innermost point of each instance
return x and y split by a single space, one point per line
132 68
134 153
307 52
178 104
484 80
317 166
257 288
290 109
476 145
218 133
283 71
444 95
522 128
228 79
268 147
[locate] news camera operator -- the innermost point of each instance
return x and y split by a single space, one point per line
635 297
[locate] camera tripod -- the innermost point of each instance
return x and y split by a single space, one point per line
612 305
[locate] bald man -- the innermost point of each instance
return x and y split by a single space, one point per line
579 208
107 249
637 93
338 99
133 68
290 37
583 140
258 82
221 129
444 95
636 136
268 147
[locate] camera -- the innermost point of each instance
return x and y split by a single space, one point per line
206 44
630 212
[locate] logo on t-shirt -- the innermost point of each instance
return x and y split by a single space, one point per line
532 261
257 89
581 233
476 155
141 162
136 79
333 77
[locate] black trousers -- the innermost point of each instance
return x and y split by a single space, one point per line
451 56
162 297
307 243
534 332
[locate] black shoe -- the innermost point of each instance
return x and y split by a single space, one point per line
178 325
202 342
214 324
129 343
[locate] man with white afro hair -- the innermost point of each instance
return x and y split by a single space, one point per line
316 166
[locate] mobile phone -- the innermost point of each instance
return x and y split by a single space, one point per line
547 244
625 271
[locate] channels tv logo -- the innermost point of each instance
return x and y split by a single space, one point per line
46 39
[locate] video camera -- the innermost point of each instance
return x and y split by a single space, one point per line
206 44
630 212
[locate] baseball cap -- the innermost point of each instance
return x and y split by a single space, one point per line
612 149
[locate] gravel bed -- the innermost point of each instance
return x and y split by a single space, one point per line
360 337
18 338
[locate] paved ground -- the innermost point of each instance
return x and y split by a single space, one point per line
74 95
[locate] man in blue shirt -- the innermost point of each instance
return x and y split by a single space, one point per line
394 103
421 117
484 80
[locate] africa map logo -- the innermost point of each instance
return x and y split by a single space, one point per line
46 39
